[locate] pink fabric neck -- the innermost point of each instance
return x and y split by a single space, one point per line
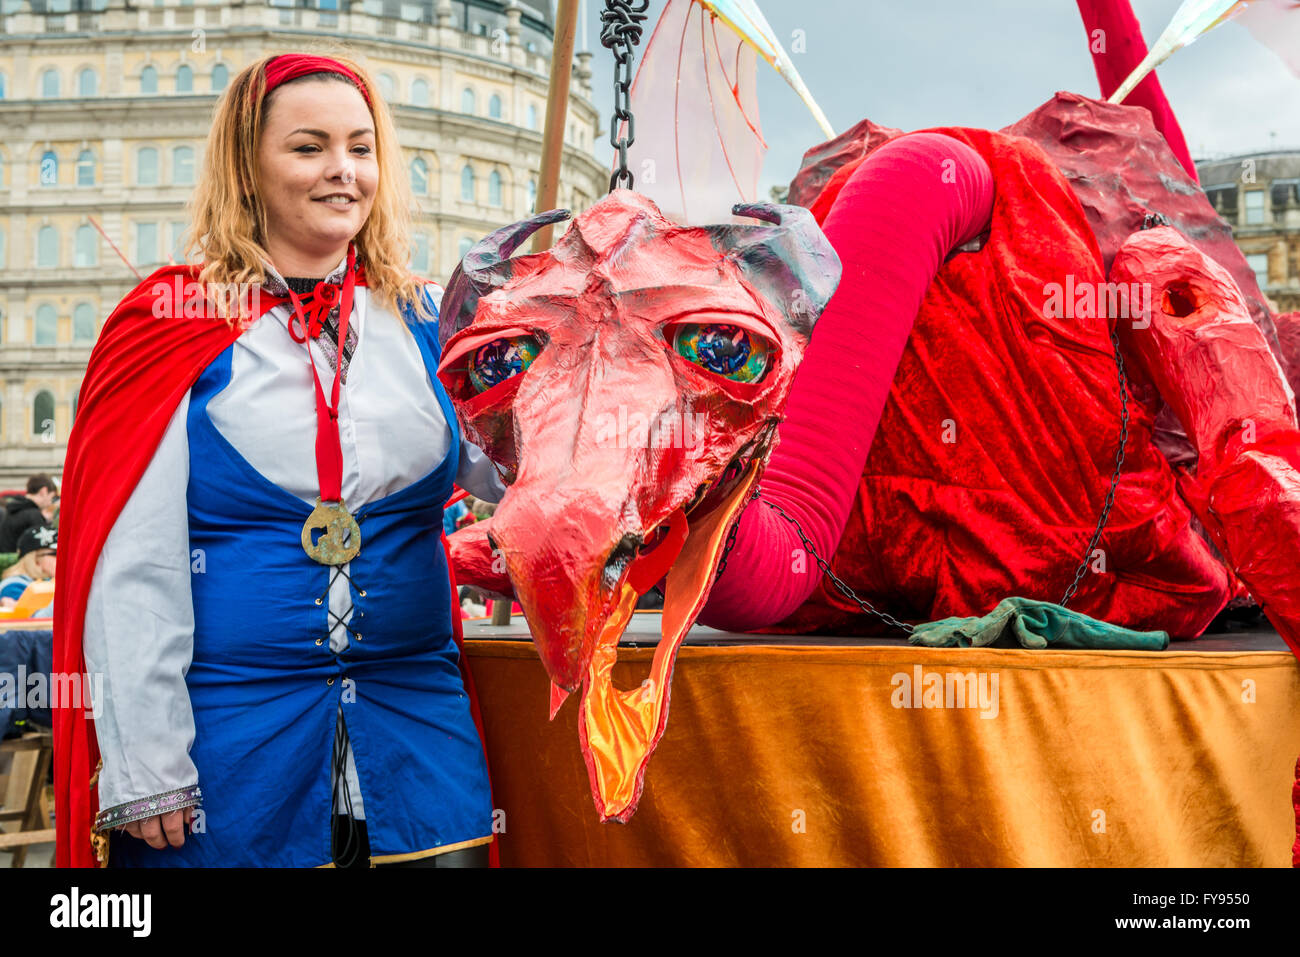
893 224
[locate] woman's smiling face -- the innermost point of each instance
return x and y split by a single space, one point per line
318 142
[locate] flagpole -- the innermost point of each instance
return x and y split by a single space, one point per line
557 105
95 223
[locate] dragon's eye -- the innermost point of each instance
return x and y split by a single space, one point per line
729 351
501 359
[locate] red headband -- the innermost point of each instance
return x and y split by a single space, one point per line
289 66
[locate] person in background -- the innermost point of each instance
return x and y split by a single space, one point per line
25 511
452 515
36 551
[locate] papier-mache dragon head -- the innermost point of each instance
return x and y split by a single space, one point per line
627 383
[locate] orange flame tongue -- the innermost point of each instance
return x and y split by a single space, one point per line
619 729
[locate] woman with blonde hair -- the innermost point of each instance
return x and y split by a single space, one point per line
261 578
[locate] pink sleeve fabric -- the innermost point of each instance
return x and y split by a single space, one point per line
899 215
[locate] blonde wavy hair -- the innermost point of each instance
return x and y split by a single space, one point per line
228 226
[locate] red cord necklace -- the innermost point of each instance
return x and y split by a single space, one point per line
340 541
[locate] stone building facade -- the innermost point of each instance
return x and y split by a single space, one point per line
105 107
1259 196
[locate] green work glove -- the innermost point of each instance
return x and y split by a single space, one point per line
1035 624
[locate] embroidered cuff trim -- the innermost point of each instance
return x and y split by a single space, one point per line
148 807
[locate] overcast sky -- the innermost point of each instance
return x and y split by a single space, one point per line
986 63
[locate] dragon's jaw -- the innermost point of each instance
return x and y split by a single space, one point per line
619 729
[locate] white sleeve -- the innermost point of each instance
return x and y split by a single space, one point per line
139 635
477 475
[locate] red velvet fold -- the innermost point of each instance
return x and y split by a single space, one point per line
994 453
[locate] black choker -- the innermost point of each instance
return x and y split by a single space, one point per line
302 285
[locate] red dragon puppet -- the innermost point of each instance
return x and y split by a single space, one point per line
976 412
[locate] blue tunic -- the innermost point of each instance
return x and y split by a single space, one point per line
265 687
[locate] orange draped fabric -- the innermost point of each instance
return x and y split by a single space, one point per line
805 756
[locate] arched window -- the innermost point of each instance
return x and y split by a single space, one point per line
50 83
420 92
49 169
532 116
183 166
149 80
86 168
467 102
419 177
46 327
184 79
494 188
83 323
388 87
146 166
220 77
532 196
43 414
420 257
467 184
494 107
2 86
87 82
47 247
463 247
87 251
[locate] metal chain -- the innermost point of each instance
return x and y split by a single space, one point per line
620 32
1114 480
844 589
731 538
903 626
822 564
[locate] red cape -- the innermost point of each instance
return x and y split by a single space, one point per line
140 368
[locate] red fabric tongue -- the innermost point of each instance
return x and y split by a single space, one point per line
650 568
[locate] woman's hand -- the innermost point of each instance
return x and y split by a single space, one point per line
162 829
